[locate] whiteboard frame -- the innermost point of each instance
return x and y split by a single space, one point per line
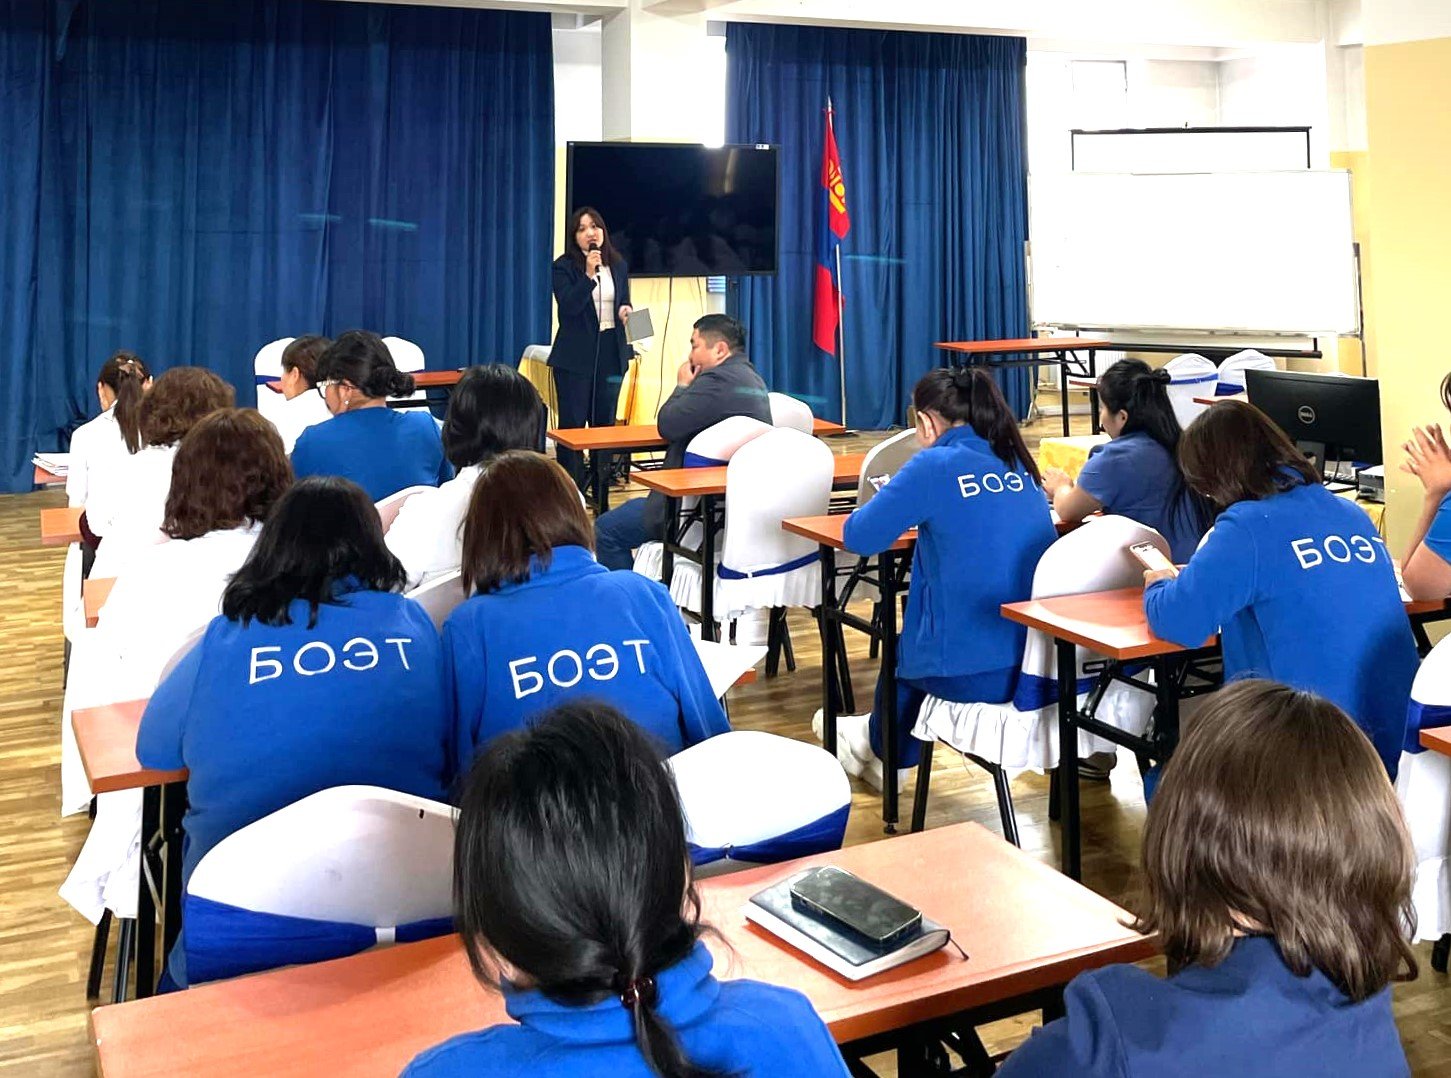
1073 136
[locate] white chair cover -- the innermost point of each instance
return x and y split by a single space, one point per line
408 357
798 807
1231 371
357 863
883 461
108 868
1423 784
439 597
790 412
388 508
712 447
781 474
267 367
1193 376
1023 734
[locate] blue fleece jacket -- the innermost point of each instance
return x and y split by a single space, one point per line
982 528
576 629
1302 590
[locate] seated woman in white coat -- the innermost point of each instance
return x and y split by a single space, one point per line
302 405
493 409
317 673
548 623
126 511
98 445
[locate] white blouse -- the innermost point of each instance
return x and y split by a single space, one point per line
292 417
605 298
427 534
127 511
96 451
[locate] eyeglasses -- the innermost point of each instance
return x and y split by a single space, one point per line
322 387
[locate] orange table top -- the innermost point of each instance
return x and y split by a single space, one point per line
45 478
60 527
1024 925
106 739
827 529
1113 623
94 593
644 435
695 482
1437 740
1021 344
1226 397
421 379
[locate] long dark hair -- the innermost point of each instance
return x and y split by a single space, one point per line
322 532
125 375
970 395
1316 856
362 358
1132 386
493 409
607 249
570 864
1233 453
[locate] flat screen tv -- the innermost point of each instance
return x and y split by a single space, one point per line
678 210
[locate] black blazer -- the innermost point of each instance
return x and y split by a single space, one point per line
579 325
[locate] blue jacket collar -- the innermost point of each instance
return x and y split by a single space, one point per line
685 992
1257 960
964 436
567 563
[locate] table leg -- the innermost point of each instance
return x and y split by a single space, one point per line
1068 758
888 692
1166 705
829 639
1063 387
1093 392
173 808
708 505
145 907
672 529
598 468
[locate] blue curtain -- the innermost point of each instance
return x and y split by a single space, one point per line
191 180
930 130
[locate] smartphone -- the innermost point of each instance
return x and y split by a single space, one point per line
878 481
1151 557
849 902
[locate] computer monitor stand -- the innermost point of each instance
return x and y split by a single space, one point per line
1338 474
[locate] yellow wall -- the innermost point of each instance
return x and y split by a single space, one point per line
653 376
1408 215
1357 163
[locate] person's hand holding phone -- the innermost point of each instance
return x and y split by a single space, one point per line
1156 563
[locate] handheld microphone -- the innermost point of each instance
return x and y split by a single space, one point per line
594 246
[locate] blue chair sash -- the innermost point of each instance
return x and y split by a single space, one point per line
1035 691
818 836
1420 717
695 460
1194 380
725 572
223 940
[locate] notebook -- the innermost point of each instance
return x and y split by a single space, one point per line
840 952
639 325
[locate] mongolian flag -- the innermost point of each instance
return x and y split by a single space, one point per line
832 227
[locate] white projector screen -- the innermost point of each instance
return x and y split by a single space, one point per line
1255 252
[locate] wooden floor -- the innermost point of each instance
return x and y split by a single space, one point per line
44 944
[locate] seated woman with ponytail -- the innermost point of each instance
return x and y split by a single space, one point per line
973 494
381 449
96 446
574 898
1135 474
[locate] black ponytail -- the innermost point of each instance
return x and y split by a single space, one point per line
125 375
571 866
971 395
361 358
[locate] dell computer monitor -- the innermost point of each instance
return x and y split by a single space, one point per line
1332 418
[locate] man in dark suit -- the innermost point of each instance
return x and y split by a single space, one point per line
715 383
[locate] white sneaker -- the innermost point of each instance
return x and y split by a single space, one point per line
871 774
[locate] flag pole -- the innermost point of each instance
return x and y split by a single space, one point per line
840 292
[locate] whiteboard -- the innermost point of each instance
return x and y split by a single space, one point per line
1254 252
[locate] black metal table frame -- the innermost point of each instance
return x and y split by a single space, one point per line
158 890
709 513
1069 364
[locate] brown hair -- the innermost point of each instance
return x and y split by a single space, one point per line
125 375
302 354
1275 816
1233 453
524 505
229 469
179 398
